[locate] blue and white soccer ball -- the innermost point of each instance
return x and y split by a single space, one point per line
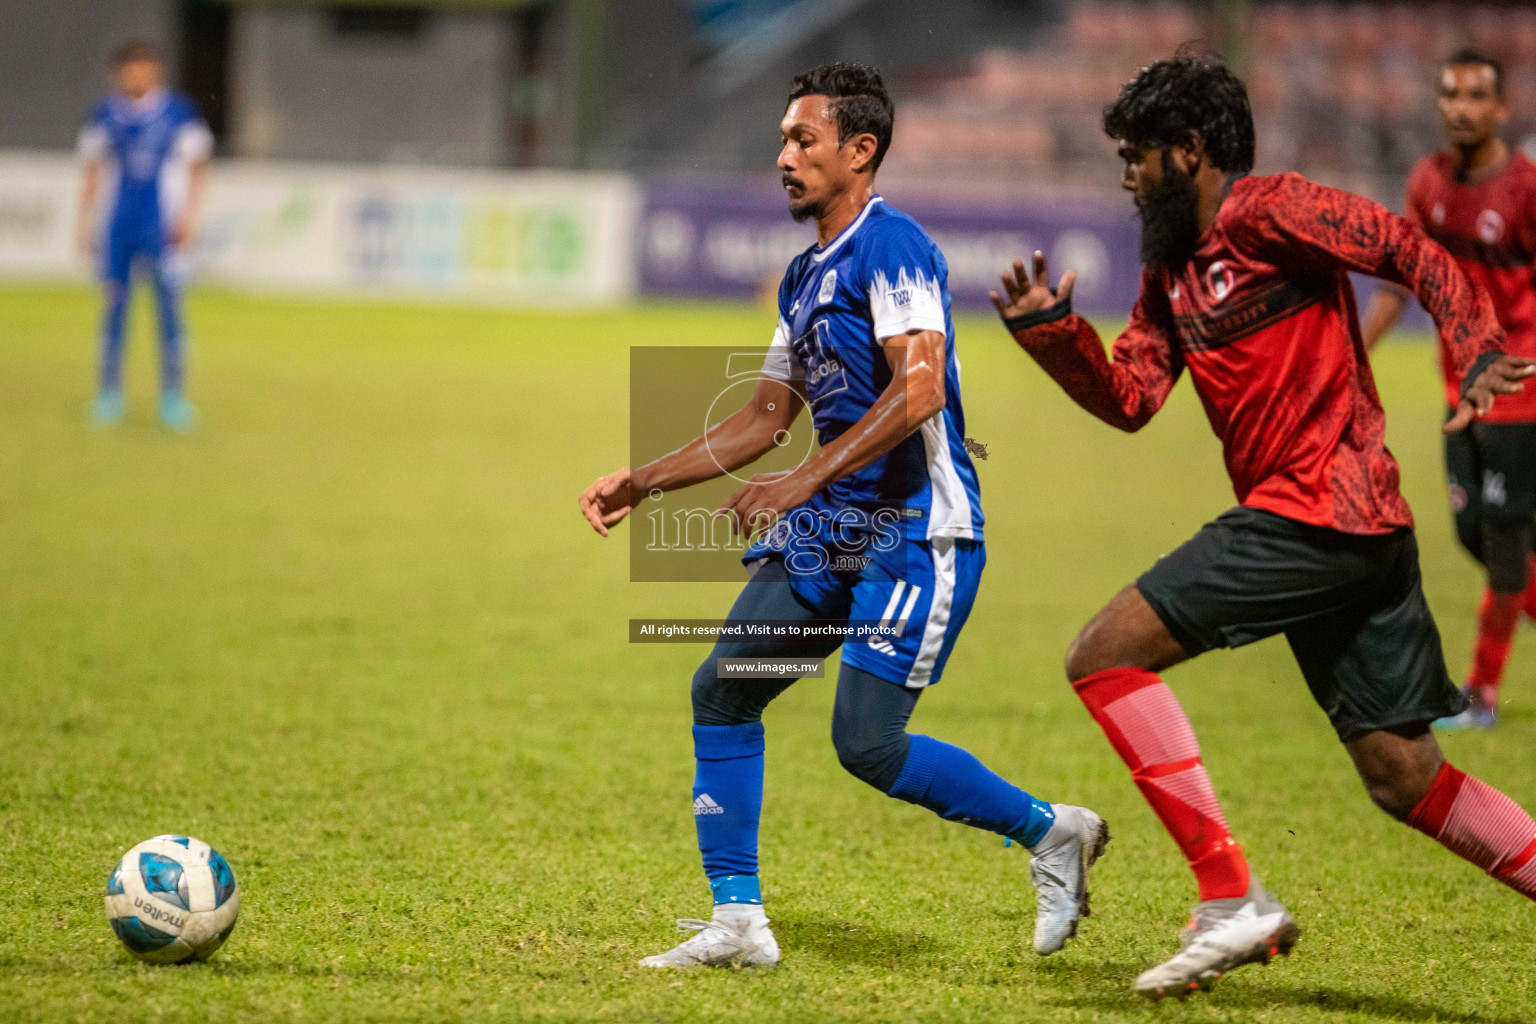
172 899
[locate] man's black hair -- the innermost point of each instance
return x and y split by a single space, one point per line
1479 58
859 102
1188 94
135 50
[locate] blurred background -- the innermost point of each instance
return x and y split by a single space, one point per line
592 151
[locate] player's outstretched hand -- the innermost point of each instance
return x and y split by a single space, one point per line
1501 377
763 499
1024 296
607 501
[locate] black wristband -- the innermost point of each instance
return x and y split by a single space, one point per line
1480 364
1048 315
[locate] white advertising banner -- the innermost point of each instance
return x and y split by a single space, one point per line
539 238
37 194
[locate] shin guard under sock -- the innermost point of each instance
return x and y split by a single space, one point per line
1478 823
953 784
728 796
1148 729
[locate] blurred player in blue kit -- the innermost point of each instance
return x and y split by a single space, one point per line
865 339
145 155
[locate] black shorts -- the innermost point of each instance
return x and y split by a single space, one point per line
1351 606
1491 470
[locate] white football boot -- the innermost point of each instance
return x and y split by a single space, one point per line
1221 936
1058 866
737 934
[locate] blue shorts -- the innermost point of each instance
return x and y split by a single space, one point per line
124 246
924 587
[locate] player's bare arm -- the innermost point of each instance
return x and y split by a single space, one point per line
738 440
1382 313
915 393
184 231
85 210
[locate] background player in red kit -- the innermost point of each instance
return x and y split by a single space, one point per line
1245 285
1479 201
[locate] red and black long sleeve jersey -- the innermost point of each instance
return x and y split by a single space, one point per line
1264 319
1488 223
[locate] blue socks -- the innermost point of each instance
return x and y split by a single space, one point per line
728 800
727 803
953 784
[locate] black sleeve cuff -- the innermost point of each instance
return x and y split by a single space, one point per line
1482 363
1048 315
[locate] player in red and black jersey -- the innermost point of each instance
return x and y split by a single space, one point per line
1245 286
1478 199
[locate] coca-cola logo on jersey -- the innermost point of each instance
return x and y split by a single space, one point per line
1490 227
1218 281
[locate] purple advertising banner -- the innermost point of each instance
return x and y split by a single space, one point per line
734 241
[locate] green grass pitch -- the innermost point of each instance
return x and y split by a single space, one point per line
353 632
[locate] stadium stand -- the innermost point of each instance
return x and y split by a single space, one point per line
1342 92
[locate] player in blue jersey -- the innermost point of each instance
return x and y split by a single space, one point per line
145 153
865 338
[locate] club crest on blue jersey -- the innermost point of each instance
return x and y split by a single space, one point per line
828 288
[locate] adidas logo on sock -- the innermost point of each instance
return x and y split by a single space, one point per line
705 804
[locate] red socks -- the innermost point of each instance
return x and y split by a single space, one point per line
1496 622
1149 731
1477 822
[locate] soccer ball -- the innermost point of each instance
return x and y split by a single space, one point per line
172 899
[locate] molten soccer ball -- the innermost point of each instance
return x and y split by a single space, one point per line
171 899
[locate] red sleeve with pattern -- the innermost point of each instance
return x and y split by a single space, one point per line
1296 223
1124 392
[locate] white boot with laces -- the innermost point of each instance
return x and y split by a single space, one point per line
737 934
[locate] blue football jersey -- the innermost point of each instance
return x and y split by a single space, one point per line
881 277
147 145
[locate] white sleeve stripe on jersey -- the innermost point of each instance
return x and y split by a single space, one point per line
914 302
781 363
949 506
92 144
194 142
